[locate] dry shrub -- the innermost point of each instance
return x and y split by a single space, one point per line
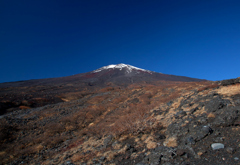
47 114
98 99
96 111
7 131
208 87
107 89
129 118
50 142
211 115
146 98
75 118
111 107
83 117
133 121
172 96
74 95
69 97
150 142
120 99
24 107
83 157
66 120
77 157
27 151
171 142
229 90
53 129
38 148
74 144
38 140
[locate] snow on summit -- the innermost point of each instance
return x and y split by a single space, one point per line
121 66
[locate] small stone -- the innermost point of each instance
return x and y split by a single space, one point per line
102 158
219 139
207 130
69 163
107 140
216 146
180 152
129 146
169 103
230 150
160 136
186 155
154 158
200 153
190 140
180 114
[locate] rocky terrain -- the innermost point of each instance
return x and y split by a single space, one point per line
166 122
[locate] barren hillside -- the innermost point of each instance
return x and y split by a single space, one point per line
139 124
141 120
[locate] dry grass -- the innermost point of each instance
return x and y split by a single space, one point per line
24 107
211 115
208 87
229 90
171 142
77 157
112 112
150 142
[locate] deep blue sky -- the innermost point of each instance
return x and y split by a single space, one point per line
55 38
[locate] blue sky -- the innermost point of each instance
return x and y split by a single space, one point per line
55 38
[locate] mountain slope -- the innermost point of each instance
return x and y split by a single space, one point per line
89 119
37 93
175 123
120 74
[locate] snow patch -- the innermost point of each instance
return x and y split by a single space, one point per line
129 68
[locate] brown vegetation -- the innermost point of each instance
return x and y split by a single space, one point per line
108 111
208 87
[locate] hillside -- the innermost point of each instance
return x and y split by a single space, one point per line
165 122
37 93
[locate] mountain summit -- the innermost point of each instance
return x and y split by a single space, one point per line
128 68
123 74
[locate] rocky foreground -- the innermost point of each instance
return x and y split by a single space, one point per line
199 126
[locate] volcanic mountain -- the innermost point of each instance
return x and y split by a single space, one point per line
120 114
39 92
120 74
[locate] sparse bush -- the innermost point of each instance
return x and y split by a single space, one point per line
107 89
122 111
208 87
170 97
53 129
50 142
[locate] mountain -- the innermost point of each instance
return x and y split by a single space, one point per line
172 123
120 114
123 74
39 92
120 74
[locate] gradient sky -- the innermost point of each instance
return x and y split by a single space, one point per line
55 38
